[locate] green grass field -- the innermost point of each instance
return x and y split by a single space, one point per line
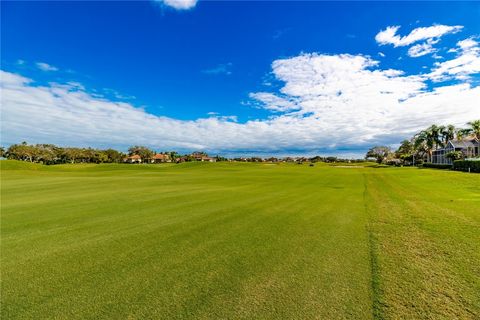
238 241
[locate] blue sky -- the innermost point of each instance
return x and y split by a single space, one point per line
224 76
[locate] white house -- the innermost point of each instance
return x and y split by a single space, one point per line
133 159
470 147
159 157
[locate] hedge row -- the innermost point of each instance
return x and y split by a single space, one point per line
437 165
465 165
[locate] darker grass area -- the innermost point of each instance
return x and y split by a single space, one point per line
376 288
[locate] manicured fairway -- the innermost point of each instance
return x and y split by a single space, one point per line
238 241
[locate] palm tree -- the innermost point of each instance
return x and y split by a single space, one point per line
429 140
475 128
462 133
448 134
419 146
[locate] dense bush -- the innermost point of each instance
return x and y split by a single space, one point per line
464 165
437 166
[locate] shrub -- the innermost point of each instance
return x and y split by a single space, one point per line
437 165
464 165
454 155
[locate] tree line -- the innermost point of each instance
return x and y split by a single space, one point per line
52 154
421 146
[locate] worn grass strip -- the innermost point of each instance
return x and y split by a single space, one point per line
376 287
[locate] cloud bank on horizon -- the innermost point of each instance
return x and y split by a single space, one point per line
326 103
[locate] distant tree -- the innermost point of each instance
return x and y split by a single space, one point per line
3 153
52 154
114 155
101 156
21 151
405 149
46 153
380 153
173 155
144 152
316 159
220 158
71 155
199 154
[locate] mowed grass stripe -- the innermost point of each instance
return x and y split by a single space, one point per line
259 242
426 246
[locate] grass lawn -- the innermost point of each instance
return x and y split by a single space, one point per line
238 241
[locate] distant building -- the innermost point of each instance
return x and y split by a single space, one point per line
133 159
159 158
201 156
180 159
470 147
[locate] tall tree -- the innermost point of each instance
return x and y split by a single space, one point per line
429 139
447 133
462 133
405 151
144 152
21 151
380 153
114 155
475 128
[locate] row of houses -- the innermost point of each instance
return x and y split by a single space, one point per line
162 158
158 158
470 147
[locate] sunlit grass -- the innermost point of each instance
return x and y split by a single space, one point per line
238 241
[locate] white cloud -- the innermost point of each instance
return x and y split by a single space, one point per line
467 44
46 67
389 35
179 4
326 102
419 50
354 102
466 63
273 102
